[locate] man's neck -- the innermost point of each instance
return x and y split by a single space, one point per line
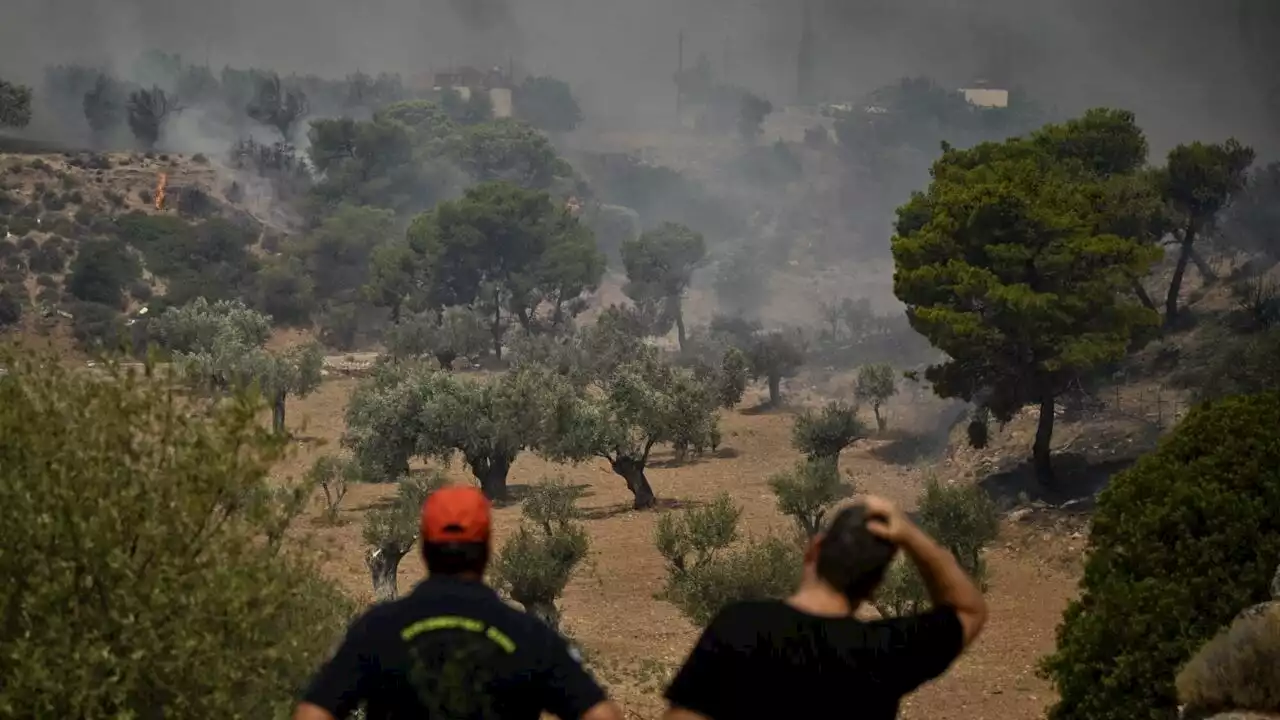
818 598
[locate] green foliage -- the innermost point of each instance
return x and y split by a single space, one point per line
1179 544
209 259
511 151
774 355
659 266
15 104
391 531
1239 669
406 411
508 247
278 106
535 564
333 474
11 302
380 163
476 107
148 523
807 492
100 272
1004 266
335 254
876 384
706 570
220 346
458 332
1198 182
822 435
546 103
103 105
98 328
1245 365
620 412
147 111
964 520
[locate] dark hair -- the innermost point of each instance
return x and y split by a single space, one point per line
455 558
850 558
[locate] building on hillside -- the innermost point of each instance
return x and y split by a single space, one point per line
987 97
466 80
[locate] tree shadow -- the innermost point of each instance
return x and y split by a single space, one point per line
517 493
764 408
900 447
1077 481
615 510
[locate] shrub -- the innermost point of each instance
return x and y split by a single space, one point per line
963 519
822 435
392 530
142 539
333 475
47 258
10 306
808 492
705 572
535 564
1239 669
1179 543
101 270
139 290
98 328
46 281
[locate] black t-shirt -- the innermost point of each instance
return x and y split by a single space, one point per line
452 649
767 659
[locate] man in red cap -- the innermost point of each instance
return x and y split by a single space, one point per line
452 648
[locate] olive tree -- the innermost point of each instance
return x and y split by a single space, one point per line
876 384
136 525
807 492
964 520
774 355
535 564
456 332
391 531
708 567
15 104
409 412
823 434
660 265
620 416
220 346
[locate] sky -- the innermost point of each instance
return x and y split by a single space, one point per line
1179 63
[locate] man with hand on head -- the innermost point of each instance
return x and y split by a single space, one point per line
808 656
452 649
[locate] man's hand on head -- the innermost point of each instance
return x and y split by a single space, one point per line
885 520
308 711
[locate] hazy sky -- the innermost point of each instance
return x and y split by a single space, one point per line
1179 64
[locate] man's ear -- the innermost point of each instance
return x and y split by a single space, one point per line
811 551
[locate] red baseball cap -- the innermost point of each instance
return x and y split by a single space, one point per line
458 513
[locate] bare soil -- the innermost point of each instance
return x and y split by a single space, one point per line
633 641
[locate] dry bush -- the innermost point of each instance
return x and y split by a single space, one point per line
1239 669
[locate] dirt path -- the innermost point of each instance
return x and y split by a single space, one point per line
633 640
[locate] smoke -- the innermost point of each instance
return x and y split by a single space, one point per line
1186 67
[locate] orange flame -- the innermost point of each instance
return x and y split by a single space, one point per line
160 186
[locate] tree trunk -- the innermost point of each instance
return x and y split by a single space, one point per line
881 421
637 483
1203 268
492 474
496 329
775 389
544 610
383 563
1142 293
1044 436
680 336
277 413
1175 285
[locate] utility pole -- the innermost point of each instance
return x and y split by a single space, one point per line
804 59
679 74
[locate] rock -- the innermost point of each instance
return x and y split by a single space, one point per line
1020 514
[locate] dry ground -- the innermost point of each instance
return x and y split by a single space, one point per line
633 640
